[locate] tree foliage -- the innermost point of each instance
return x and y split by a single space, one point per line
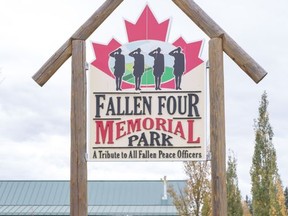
207 205
264 171
233 193
286 197
246 210
248 201
191 200
280 197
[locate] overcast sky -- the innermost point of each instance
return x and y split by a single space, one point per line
35 121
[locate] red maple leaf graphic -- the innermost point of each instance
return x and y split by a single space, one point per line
147 27
191 51
102 55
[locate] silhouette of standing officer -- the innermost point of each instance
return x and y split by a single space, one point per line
138 66
179 65
119 67
158 68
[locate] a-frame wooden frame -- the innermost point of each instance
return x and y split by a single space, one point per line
75 47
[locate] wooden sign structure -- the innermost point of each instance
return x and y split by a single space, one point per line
75 47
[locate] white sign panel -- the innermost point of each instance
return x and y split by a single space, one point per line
147 97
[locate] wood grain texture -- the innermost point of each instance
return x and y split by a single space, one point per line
53 63
96 19
231 48
217 128
78 182
64 52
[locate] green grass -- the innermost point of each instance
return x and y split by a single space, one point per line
148 77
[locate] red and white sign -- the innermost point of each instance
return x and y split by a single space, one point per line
147 97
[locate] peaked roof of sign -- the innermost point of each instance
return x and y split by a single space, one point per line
189 7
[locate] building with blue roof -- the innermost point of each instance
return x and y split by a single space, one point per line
125 198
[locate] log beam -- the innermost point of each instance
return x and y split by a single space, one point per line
230 47
65 51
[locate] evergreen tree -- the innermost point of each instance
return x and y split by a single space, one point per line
233 192
264 171
280 197
248 201
278 202
286 197
246 211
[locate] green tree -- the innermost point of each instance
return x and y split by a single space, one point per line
280 197
248 201
233 193
190 201
246 210
207 205
286 197
264 171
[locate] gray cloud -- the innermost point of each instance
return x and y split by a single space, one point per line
34 121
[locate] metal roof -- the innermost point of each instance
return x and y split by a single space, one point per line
104 198
92 210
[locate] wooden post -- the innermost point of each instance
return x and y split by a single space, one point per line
217 128
78 181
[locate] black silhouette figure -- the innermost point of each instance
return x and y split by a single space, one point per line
138 67
158 68
119 67
179 65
